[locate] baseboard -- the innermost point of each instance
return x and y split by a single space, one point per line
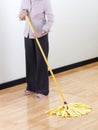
75 65
57 70
12 83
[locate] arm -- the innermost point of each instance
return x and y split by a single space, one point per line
49 17
25 8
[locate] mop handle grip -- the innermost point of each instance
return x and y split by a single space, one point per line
42 52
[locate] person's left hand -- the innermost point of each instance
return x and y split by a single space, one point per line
37 34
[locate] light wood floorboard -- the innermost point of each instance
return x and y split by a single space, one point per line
20 112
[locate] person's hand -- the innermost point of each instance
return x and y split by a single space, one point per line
23 14
37 34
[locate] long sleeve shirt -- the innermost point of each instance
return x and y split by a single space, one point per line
40 14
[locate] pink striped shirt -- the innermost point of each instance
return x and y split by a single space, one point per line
40 14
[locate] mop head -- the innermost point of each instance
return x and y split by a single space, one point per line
70 110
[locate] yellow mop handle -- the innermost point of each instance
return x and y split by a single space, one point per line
38 43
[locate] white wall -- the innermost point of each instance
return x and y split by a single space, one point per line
73 37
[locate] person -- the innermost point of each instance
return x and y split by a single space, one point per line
41 16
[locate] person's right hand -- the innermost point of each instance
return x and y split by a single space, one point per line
23 14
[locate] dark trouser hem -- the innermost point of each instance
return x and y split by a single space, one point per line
44 92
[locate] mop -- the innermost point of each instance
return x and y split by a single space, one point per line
67 110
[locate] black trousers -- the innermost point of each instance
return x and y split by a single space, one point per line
36 68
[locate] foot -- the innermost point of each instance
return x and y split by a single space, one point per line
40 96
27 92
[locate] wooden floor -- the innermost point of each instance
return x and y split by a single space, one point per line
19 112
